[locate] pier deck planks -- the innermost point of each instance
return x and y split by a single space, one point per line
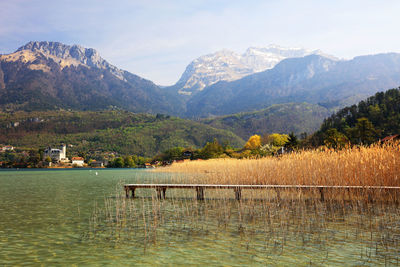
161 188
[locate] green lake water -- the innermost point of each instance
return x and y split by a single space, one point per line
46 218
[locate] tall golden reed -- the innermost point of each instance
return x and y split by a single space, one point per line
375 165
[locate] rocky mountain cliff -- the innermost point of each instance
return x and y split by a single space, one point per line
72 55
51 75
226 65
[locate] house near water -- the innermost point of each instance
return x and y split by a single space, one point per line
97 164
6 148
391 138
78 161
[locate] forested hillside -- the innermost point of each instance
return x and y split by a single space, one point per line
374 118
280 118
108 131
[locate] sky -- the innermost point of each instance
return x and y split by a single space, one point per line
157 39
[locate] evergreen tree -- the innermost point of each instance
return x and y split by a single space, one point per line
211 150
363 132
335 139
293 142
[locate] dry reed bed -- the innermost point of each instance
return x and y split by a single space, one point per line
376 165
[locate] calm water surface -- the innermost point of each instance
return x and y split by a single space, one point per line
45 219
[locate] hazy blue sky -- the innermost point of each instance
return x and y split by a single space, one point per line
156 39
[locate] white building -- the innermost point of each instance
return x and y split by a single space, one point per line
6 148
78 161
56 154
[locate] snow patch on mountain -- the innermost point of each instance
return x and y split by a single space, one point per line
226 65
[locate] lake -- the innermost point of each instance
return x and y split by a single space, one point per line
59 217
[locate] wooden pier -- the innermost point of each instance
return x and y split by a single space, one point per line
162 188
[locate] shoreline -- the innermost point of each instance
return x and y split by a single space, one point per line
60 169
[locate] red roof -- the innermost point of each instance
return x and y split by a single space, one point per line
388 138
77 158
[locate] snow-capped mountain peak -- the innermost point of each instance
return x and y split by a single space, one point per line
226 65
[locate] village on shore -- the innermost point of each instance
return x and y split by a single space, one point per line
51 157
256 147
56 156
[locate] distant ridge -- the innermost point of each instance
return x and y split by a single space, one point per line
280 118
116 131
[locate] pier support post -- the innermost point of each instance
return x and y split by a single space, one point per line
133 192
321 192
238 193
158 192
370 198
126 191
200 193
278 194
161 192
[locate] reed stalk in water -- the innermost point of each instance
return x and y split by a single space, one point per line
261 219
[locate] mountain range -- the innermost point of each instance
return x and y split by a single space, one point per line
54 76
51 75
313 79
226 65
